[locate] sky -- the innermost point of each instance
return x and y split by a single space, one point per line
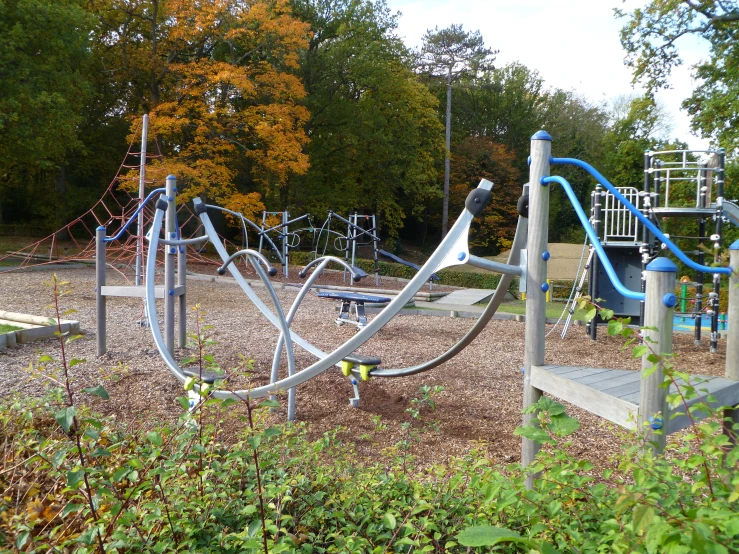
573 44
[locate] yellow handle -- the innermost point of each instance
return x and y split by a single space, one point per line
346 368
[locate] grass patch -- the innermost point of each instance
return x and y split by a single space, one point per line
554 309
5 328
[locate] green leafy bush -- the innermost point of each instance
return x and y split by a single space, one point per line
75 481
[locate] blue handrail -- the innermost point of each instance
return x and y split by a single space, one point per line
133 216
640 216
594 240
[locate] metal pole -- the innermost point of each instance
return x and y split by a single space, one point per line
142 195
593 284
732 340
261 235
182 281
170 226
285 219
717 249
99 284
374 249
698 305
658 314
646 241
541 148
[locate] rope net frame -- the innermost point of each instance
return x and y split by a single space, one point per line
75 241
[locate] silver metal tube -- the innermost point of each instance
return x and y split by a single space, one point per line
100 267
142 191
497 267
169 263
519 242
184 242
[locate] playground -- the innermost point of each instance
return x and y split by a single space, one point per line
480 402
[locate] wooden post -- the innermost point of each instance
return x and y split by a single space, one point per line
732 338
541 148
170 226
100 264
658 313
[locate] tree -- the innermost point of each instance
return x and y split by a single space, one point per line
578 129
218 78
651 39
480 157
374 134
44 85
451 54
505 105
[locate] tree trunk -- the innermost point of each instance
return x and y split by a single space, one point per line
447 163
60 188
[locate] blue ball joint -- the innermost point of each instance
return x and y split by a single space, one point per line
171 293
172 250
544 287
546 255
354 382
656 422
669 300
461 256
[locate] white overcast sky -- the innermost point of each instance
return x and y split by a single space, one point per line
573 44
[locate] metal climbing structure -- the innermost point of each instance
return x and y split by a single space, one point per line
684 184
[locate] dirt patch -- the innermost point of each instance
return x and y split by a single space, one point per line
478 408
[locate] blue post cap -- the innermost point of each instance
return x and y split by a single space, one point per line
734 245
170 176
669 300
102 228
542 135
663 265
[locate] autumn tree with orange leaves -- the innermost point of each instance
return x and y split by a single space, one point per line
217 78
476 158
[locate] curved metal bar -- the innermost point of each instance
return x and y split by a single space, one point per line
250 222
353 270
514 258
594 240
459 229
133 216
637 213
291 315
250 254
183 242
285 332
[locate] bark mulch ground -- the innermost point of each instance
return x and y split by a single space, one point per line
479 406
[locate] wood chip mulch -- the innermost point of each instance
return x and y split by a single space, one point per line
479 407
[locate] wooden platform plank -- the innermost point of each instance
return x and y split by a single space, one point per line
595 377
138 292
615 394
715 383
614 381
611 408
570 371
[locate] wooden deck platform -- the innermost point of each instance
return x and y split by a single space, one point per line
614 393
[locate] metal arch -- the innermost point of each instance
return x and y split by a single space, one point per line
326 361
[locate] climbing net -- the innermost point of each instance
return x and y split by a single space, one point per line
75 241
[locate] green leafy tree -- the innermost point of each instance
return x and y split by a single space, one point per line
451 54
578 128
505 105
651 39
374 135
44 86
